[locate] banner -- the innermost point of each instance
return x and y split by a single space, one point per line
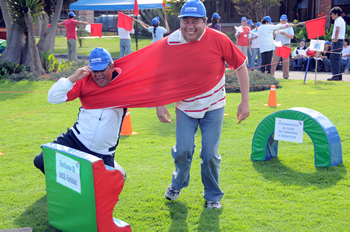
96 29
124 21
136 8
316 27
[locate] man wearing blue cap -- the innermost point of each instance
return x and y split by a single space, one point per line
208 49
255 48
243 37
300 61
71 34
284 36
96 131
325 56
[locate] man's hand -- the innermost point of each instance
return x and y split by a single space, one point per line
243 111
80 74
335 40
163 114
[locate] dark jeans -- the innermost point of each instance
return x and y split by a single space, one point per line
335 58
299 62
266 58
70 140
312 64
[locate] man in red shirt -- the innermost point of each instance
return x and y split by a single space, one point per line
243 37
71 26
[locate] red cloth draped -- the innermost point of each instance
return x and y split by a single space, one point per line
124 21
316 27
161 74
96 29
283 51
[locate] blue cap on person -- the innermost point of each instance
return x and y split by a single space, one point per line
71 14
258 24
327 42
193 8
250 22
283 17
155 21
303 40
99 58
215 16
244 19
267 18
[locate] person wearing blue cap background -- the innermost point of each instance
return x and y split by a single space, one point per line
299 62
325 56
71 34
89 134
255 48
157 31
243 37
267 46
215 22
209 50
284 36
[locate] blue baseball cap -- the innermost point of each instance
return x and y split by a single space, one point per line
99 58
193 8
71 14
215 16
267 18
303 40
327 42
284 17
250 22
258 24
155 21
244 19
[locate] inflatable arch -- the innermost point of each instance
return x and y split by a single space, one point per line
324 136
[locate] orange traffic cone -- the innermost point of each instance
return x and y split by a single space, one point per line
126 127
272 98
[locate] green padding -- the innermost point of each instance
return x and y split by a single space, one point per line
69 210
267 127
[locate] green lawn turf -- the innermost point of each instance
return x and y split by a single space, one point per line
109 43
284 194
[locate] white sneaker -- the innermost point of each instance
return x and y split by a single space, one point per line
214 205
346 70
172 194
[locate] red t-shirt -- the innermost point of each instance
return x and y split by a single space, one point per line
162 73
71 26
243 38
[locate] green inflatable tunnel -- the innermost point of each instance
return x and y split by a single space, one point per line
322 132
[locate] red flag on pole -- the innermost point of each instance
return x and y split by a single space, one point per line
164 4
316 27
96 29
136 8
283 51
124 21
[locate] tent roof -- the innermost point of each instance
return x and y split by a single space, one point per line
114 4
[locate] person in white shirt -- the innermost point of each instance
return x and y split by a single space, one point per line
284 36
157 31
255 48
299 60
125 41
346 56
338 37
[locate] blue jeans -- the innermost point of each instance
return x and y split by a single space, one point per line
298 62
346 63
326 64
182 152
125 47
249 57
255 52
335 58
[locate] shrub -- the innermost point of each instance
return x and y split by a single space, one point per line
258 81
8 68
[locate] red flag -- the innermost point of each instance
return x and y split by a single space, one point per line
316 27
96 29
124 21
48 25
136 8
164 4
283 51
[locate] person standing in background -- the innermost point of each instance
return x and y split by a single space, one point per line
125 41
157 31
255 48
250 24
215 22
243 37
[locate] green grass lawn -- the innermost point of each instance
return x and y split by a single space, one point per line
111 44
284 194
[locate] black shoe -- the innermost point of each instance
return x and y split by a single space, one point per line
333 79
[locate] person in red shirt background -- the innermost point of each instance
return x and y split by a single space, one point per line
243 37
71 26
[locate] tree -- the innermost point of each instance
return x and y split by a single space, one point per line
174 6
255 9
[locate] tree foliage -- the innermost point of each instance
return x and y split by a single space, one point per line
174 7
255 9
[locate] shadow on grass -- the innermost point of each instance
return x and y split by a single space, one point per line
36 216
178 214
209 220
323 177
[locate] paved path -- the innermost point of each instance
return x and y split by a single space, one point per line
299 75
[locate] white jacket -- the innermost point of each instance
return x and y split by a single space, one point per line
97 129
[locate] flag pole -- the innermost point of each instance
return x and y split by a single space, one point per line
136 33
316 64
